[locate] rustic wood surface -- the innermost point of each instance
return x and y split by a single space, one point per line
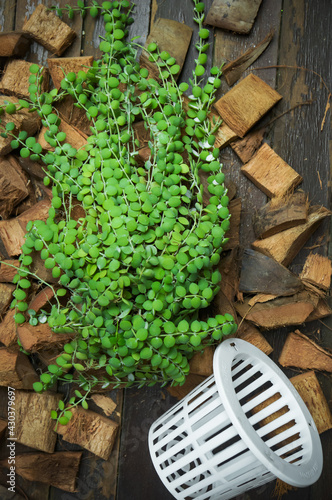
299 52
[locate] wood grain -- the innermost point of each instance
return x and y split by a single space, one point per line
7 15
303 38
270 173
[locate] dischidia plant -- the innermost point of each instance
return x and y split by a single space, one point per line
136 271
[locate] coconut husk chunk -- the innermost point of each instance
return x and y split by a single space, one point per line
284 246
246 103
58 68
270 173
14 43
281 213
90 430
317 270
48 30
302 352
59 469
308 387
12 85
36 432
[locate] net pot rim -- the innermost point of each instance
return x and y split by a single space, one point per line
300 475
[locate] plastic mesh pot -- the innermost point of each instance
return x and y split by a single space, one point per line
243 427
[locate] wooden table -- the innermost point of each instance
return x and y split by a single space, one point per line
298 54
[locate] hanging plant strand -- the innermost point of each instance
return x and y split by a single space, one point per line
136 271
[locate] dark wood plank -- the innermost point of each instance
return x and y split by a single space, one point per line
94 28
228 46
7 15
137 477
304 37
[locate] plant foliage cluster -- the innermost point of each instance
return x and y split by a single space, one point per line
136 271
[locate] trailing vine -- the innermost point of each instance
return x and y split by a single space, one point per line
136 271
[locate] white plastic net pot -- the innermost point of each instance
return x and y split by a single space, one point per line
243 427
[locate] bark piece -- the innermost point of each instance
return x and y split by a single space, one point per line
105 403
36 432
58 68
7 272
233 234
281 213
13 188
246 148
48 30
73 115
8 335
16 370
233 70
284 246
261 298
12 236
170 36
222 305
14 43
143 155
22 119
90 430
30 201
77 210
142 134
282 311
12 231
3 428
10 84
32 168
42 299
246 103
251 334
270 173
322 310
302 352
49 356
229 270
260 273
59 469
238 15
38 267
317 270
73 136
202 362
308 387
180 391
34 338
6 296
224 135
